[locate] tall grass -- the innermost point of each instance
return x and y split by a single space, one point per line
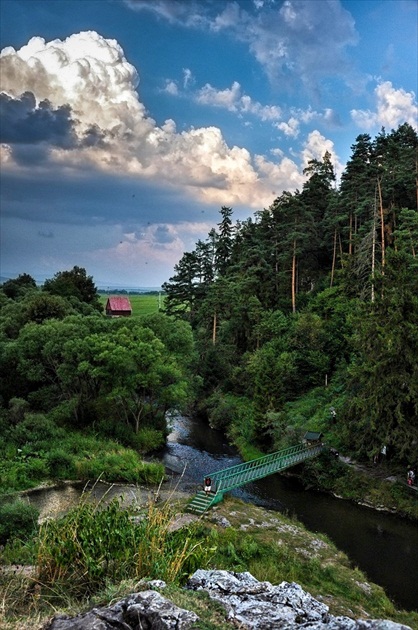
95 544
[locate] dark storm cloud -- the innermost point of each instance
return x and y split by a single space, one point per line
30 154
24 122
92 199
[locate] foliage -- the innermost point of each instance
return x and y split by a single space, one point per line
96 543
74 283
37 449
16 288
18 519
384 374
86 371
118 465
43 306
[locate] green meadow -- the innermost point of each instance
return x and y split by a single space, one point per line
142 303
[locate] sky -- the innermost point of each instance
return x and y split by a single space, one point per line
126 125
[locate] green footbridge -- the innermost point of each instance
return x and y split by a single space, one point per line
235 476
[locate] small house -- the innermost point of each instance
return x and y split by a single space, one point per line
312 437
118 307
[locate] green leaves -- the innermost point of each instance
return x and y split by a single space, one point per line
74 283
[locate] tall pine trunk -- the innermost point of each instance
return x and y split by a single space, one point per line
334 257
382 224
294 278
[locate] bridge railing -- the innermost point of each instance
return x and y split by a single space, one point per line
236 476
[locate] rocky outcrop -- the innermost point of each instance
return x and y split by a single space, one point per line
255 605
146 610
248 603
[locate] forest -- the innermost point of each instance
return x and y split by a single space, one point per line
304 316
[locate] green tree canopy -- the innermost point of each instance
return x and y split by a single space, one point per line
74 283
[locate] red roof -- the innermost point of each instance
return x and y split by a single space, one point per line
118 304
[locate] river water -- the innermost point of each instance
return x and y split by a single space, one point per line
384 546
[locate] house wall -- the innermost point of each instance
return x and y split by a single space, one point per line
118 313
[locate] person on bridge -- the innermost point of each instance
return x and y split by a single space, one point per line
208 485
410 477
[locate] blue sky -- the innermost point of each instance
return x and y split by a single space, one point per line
128 124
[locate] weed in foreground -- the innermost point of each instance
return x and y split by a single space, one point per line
95 544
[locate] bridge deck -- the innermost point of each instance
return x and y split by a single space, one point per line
236 476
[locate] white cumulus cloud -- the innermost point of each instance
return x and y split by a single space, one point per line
393 107
86 71
233 100
90 75
290 128
315 148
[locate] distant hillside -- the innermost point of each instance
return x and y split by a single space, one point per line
115 289
102 287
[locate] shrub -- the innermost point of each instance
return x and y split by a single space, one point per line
123 465
34 428
36 469
17 520
18 407
60 464
148 440
18 551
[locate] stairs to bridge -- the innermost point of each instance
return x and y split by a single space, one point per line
235 476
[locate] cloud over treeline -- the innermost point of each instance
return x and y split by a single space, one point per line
88 91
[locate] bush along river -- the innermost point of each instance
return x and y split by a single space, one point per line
383 546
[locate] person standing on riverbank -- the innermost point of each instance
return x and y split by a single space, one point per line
208 485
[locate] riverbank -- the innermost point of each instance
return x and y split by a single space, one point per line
242 537
380 544
380 487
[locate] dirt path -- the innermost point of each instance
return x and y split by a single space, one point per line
379 471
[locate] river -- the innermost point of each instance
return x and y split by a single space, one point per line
382 545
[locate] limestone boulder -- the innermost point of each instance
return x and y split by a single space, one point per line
253 605
146 610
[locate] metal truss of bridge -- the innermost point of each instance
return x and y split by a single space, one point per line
229 478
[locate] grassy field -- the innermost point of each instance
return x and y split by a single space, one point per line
142 304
